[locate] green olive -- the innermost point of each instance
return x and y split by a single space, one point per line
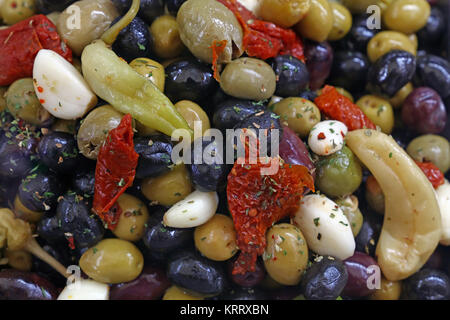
379 111
2 98
14 11
192 112
374 195
112 261
216 239
414 40
407 16
386 41
24 213
432 148
286 254
95 128
358 6
300 114
284 13
398 99
94 18
176 293
132 220
342 21
349 206
169 188
19 259
339 174
150 69
166 37
201 22
248 78
318 22
62 125
22 102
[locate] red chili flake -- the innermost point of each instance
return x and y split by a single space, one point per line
339 107
71 242
42 101
321 136
217 48
434 175
40 89
115 171
13 5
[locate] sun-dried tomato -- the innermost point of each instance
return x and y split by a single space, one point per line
217 48
338 107
434 175
115 171
264 39
257 201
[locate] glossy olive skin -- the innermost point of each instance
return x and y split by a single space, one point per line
48 6
391 72
194 273
189 79
318 22
386 41
150 285
424 111
358 275
75 217
83 182
324 280
50 230
292 75
21 285
40 191
150 69
210 174
407 16
349 70
15 161
342 21
249 279
427 284
154 155
174 5
13 11
166 37
339 174
283 13
231 111
434 72
432 33
367 238
379 111
134 41
432 148
193 113
58 151
319 60
149 10
359 35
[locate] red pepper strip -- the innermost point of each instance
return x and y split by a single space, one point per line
115 171
339 107
434 175
257 201
217 48
264 39
20 43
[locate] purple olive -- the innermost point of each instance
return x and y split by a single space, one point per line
21 285
424 111
319 59
359 284
150 285
293 150
249 279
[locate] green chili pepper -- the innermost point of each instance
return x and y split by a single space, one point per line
111 34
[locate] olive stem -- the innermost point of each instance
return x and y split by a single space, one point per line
111 34
34 248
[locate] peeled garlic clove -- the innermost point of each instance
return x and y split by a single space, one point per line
60 87
84 289
327 137
194 210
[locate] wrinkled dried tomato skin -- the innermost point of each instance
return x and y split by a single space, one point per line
434 175
217 48
338 107
263 39
115 171
256 202
21 43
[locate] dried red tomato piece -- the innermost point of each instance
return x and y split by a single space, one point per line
217 48
339 107
257 201
434 175
115 171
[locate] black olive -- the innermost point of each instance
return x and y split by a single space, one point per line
189 80
59 151
50 229
231 111
427 284
308 95
49 6
83 182
208 165
122 5
134 41
367 238
243 294
349 70
149 10
391 72
155 155
359 35
15 156
324 280
74 213
292 75
434 72
174 5
430 35
192 272
39 191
